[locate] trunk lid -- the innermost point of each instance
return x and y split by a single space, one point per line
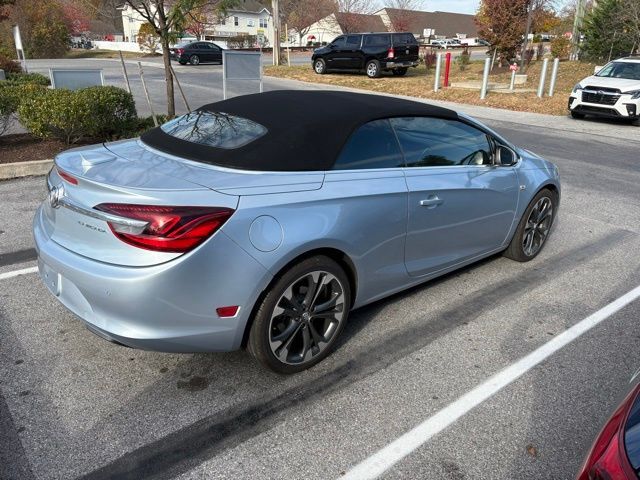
97 176
129 172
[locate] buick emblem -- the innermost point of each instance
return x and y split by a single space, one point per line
55 195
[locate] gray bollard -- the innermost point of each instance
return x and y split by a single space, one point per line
436 83
512 85
2 75
554 75
485 78
543 75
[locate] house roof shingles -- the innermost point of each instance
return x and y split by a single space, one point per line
359 22
444 23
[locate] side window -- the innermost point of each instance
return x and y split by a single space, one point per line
373 145
353 41
404 39
376 40
435 142
339 42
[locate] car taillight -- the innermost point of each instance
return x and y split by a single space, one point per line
180 51
391 53
67 177
607 459
168 229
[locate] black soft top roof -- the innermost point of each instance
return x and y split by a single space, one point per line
306 129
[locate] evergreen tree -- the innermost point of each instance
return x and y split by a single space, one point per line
608 31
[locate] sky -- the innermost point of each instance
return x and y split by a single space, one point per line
457 6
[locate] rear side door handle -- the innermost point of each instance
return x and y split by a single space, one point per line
431 202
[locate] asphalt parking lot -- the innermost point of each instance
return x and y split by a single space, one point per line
74 406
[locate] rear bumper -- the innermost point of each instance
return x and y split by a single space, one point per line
404 64
169 307
624 107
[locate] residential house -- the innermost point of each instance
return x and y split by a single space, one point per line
248 17
442 25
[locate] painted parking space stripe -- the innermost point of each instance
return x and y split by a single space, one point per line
385 458
15 273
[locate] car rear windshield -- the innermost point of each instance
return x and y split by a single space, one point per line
628 70
214 129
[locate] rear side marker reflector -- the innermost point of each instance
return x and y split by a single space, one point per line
227 312
66 177
170 229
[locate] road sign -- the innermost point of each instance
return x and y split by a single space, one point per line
75 78
241 66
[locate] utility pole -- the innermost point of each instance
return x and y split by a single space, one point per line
577 28
523 53
276 31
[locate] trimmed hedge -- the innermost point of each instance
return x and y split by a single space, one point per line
101 113
19 78
11 95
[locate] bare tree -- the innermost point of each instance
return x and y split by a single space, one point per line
169 18
301 14
402 16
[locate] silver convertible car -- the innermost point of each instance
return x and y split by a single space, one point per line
259 222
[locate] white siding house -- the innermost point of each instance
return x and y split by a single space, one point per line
249 17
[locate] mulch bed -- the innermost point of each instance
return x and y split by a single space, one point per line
23 147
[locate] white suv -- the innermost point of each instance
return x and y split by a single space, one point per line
613 92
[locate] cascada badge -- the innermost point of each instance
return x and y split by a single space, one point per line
55 195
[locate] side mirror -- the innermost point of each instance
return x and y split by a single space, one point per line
505 156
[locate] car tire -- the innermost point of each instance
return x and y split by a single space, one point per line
182 62
194 60
577 116
534 227
400 72
319 66
373 69
291 340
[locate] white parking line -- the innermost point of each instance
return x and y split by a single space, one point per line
388 456
15 273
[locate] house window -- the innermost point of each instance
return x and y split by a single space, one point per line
263 23
250 22
236 21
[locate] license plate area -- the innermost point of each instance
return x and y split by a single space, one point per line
50 277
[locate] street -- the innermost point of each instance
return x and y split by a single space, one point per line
75 406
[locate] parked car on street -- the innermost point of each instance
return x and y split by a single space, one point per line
615 455
372 52
446 43
196 53
240 225
613 92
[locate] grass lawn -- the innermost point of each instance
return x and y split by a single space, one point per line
93 53
419 83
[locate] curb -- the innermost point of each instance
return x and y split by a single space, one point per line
25 169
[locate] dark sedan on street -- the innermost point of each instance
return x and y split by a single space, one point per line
196 53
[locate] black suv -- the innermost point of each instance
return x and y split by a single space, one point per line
196 53
372 52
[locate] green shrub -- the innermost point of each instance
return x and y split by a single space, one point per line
11 95
146 123
31 78
100 113
113 112
463 60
